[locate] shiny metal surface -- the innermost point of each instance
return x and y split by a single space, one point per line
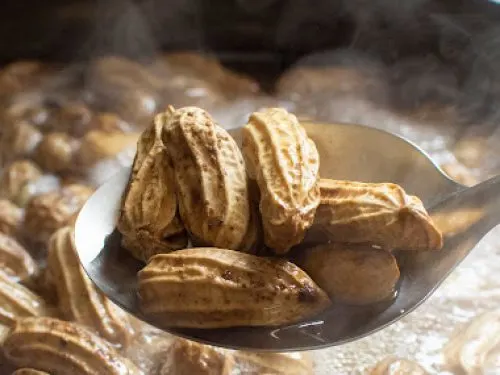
352 152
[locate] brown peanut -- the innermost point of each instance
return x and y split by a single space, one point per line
185 357
15 261
62 348
250 363
149 220
473 346
397 366
45 213
29 371
17 301
55 152
212 288
79 300
380 214
126 88
10 217
110 123
18 139
98 145
285 163
211 181
15 177
350 273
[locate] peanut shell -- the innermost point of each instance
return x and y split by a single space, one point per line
15 261
17 301
381 214
29 371
15 177
473 347
110 123
397 366
149 220
185 357
250 363
62 348
18 139
214 288
352 274
285 163
10 217
99 144
210 175
46 213
55 152
79 300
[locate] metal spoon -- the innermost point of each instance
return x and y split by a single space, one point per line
351 152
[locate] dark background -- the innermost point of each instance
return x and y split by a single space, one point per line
255 29
443 51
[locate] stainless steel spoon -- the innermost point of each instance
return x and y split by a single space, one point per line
351 152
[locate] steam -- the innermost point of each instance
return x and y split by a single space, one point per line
140 29
429 70
121 28
431 53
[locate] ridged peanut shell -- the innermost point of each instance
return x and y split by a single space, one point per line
78 298
251 363
29 371
213 288
125 87
381 214
10 217
149 220
60 348
285 163
55 153
352 274
111 123
17 301
14 178
46 213
19 139
397 366
473 347
185 357
100 144
210 175
15 261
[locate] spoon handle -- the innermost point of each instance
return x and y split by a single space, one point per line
480 205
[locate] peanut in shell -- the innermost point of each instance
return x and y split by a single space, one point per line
60 348
380 214
78 298
285 163
216 288
211 181
149 221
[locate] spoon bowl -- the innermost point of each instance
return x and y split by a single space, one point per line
347 152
